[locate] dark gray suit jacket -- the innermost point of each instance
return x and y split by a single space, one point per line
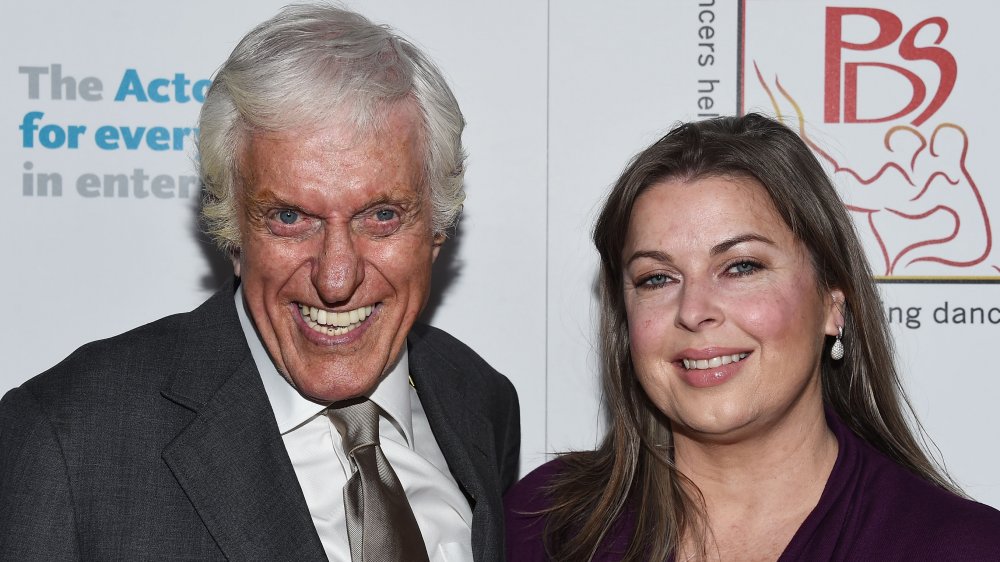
160 443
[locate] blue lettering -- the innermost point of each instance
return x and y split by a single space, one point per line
28 128
180 85
159 90
157 138
106 138
179 134
49 136
200 87
131 85
154 90
52 136
111 137
132 138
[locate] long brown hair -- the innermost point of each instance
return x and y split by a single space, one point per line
632 470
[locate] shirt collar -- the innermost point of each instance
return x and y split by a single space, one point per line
292 410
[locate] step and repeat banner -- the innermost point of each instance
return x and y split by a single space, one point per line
97 175
895 100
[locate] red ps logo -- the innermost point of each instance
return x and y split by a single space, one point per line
890 28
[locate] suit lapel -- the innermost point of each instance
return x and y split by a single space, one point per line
464 437
230 460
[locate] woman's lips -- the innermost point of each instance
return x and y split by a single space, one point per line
707 368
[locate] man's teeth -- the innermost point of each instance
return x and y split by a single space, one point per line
334 323
713 362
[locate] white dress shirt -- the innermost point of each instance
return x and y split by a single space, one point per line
322 467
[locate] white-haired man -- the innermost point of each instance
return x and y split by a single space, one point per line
301 413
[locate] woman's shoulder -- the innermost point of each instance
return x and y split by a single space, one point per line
873 508
529 493
525 507
905 513
933 522
548 494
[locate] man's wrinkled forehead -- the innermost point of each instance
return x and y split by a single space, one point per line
396 140
379 123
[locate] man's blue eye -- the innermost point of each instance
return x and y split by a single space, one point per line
385 214
287 216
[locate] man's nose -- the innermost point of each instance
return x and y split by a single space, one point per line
339 267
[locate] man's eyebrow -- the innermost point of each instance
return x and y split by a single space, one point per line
260 202
411 202
721 247
272 200
389 199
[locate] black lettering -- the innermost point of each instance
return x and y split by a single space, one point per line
941 313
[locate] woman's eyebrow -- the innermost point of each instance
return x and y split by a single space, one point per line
651 254
719 248
725 245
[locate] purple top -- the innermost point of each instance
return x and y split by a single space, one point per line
871 509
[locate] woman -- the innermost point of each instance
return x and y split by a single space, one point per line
756 413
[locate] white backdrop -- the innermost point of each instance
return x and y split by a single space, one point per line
558 96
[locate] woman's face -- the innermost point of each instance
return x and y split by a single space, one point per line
725 316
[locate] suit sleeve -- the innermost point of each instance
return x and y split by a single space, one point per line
511 455
36 506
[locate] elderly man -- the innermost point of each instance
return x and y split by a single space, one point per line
301 413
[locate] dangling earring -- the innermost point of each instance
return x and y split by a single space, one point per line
837 351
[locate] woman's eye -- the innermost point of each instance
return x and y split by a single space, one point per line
655 280
287 216
743 268
385 215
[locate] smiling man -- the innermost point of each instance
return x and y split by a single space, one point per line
300 413
336 248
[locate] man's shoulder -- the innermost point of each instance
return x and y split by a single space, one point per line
440 340
137 358
436 347
454 369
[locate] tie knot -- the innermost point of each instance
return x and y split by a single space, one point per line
357 422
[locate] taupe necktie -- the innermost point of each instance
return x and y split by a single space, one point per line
380 523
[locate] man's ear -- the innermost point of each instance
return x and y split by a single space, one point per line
835 315
439 239
234 255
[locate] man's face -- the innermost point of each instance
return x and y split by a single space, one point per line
336 249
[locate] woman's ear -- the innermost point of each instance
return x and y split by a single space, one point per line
835 315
